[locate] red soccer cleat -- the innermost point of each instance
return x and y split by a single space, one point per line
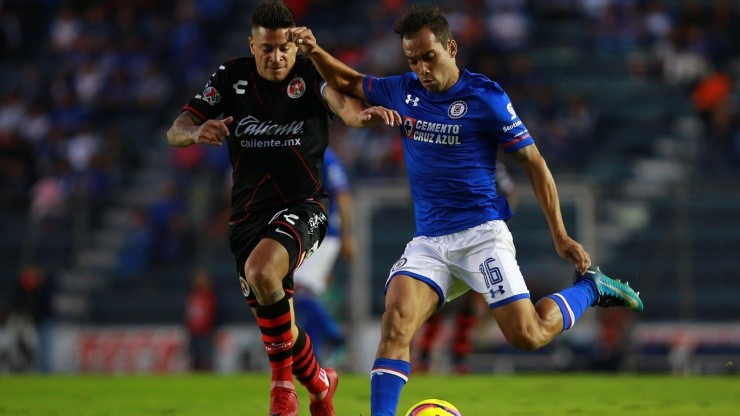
283 402
325 406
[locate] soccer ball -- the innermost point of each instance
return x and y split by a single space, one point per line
433 407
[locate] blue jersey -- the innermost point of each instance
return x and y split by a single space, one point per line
335 181
450 142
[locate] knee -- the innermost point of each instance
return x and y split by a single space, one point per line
261 280
398 324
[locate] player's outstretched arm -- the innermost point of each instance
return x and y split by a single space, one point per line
189 129
355 113
546 192
335 72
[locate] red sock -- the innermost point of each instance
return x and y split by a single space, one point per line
305 367
274 322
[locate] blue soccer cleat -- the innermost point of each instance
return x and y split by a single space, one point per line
611 292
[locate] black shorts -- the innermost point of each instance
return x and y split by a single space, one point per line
300 228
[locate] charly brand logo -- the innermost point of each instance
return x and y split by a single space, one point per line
296 88
238 86
457 109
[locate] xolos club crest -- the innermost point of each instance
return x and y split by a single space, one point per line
297 87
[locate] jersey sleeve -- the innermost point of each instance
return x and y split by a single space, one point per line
380 90
318 84
209 103
508 127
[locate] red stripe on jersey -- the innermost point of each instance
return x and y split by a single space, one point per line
305 166
257 93
254 193
515 141
194 111
277 188
370 84
319 204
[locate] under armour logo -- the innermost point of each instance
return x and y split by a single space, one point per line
500 291
414 100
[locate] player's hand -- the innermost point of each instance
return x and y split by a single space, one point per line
572 250
303 38
212 131
379 114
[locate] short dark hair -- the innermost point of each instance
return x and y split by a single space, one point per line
273 14
419 17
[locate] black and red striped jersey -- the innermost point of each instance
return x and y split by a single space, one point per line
279 133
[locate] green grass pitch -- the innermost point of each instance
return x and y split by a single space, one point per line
473 395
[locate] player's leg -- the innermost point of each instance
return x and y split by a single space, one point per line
408 303
264 271
529 327
526 326
300 230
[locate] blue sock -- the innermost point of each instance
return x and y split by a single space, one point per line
574 300
386 381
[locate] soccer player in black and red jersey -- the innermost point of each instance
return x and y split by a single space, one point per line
276 114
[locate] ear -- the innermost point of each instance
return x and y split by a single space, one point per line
452 48
251 45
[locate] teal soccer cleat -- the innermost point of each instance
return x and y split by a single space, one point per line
611 292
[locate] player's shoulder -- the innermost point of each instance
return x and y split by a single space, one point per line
303 64
238 66
242 61
408 78
481 83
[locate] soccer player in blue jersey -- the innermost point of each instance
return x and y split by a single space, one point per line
453 122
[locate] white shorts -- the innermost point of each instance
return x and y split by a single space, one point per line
315 270
482 258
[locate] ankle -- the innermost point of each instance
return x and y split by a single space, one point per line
282 383
319 396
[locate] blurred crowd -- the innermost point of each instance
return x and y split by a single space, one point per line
89 85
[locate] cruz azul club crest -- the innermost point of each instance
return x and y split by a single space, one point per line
457 109
297 87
